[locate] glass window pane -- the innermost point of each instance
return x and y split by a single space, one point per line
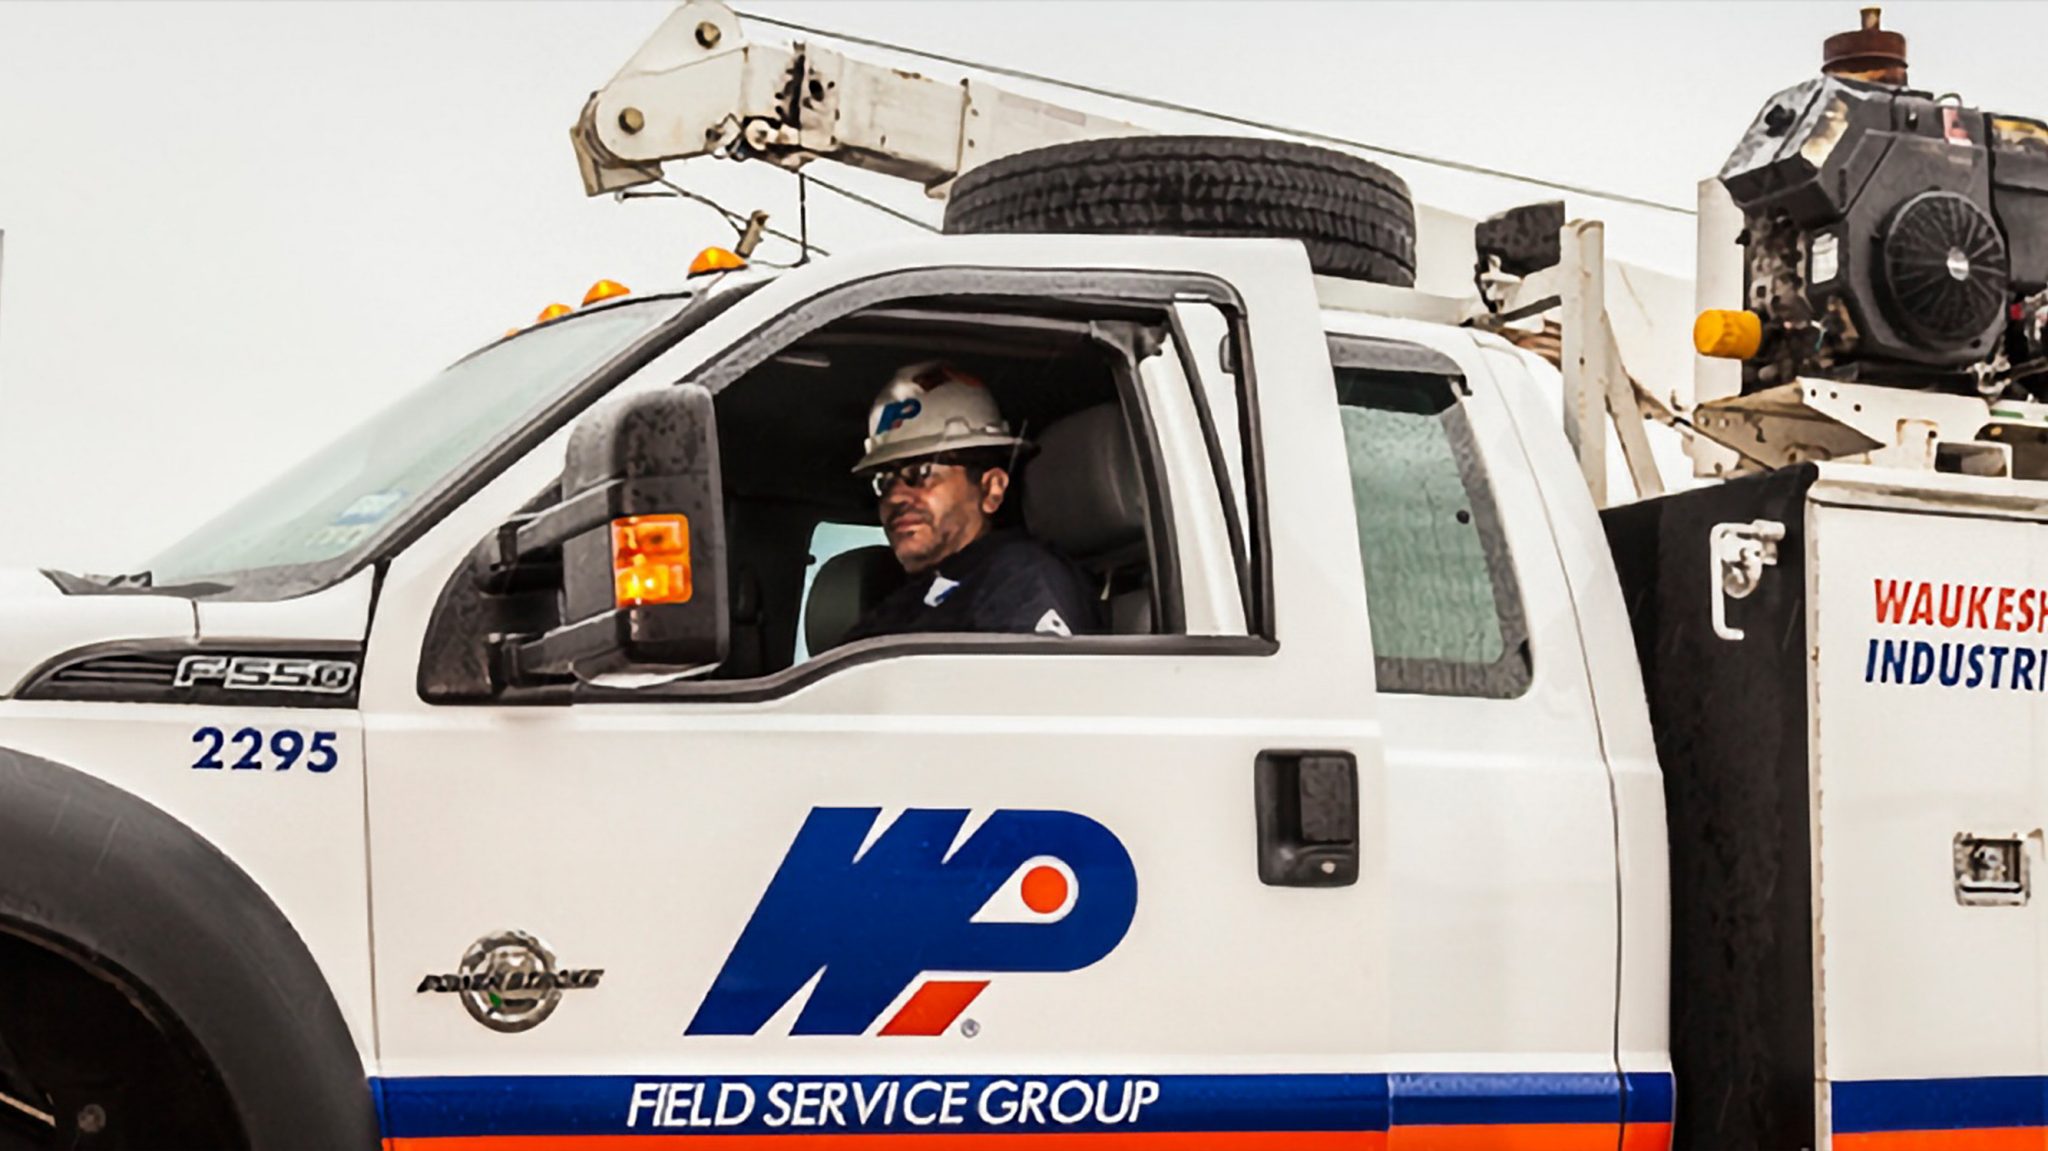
1446 618
342 494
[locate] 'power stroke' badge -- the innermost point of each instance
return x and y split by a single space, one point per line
509 981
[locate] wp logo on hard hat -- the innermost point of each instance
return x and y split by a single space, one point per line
1039 891
895 412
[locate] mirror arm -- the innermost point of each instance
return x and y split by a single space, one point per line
554 656
524 536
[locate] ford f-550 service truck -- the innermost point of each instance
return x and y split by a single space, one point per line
500 777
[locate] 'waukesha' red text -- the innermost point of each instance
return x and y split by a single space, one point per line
1977 607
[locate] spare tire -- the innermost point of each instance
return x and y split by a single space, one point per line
1355 217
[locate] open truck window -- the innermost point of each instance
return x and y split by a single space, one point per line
807 556
1091 378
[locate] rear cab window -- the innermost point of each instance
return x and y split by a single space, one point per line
1446 612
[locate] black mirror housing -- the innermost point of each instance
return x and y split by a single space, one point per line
635 465
1525 239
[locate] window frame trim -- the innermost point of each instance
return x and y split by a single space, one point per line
1219 468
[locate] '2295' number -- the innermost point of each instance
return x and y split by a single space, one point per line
287 747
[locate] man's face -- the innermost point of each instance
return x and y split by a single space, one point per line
929 521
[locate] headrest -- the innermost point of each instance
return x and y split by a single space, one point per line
845 588
1082 492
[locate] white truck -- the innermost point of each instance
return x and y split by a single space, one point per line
497 777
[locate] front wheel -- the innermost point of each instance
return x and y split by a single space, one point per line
86 1061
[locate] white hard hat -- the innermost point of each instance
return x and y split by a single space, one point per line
928 408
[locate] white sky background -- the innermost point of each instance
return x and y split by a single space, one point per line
234 229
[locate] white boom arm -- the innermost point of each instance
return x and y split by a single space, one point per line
697 88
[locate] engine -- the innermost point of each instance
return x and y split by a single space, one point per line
1891 236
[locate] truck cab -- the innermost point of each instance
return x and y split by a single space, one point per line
514 773
1330 831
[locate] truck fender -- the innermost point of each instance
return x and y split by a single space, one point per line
127 886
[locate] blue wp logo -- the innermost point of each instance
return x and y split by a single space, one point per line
895 412
1039 891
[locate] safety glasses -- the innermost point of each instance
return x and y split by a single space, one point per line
918 474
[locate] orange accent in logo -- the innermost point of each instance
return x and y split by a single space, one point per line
1045 889
934 1007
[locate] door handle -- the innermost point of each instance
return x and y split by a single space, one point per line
1307 803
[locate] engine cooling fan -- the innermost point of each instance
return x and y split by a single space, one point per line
1944 271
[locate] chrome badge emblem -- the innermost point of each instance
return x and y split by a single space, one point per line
265 673
509 981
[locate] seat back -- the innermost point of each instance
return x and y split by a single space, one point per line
845 588
1084 495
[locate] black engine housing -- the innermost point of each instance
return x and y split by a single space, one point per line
1890 236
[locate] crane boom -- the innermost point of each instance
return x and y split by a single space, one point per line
698 87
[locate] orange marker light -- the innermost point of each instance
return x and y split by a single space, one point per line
605 290
716 260
553 312
651 560
511 332
1727 335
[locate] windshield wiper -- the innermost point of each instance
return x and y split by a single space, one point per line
131 583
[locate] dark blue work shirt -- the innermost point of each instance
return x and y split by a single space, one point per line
1003 582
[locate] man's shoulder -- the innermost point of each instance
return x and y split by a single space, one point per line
1015 550
1018 543
1025 585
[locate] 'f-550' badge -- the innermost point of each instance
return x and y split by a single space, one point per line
509 981
267 673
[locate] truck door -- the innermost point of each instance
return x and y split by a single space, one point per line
1501 865
1129 882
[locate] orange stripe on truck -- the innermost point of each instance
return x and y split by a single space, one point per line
1965 1139
1086 1140
1477 1137
1646 1137
1506 1137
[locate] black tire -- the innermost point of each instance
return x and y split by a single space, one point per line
107 881
1355 217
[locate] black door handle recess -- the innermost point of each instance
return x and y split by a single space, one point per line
1308 818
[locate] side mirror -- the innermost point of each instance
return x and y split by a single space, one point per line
641 533
1524 240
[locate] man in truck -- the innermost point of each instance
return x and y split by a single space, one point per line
940 454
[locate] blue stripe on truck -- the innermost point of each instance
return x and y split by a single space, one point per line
450 1106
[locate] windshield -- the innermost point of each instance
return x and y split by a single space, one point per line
344 494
